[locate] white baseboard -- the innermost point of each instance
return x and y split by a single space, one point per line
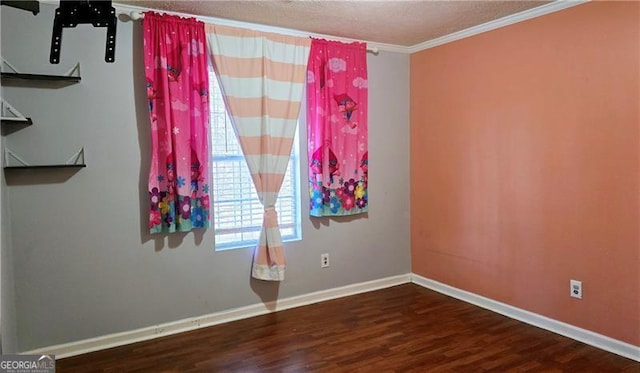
594 339
162 330
174 327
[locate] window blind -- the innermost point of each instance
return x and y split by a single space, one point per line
237 211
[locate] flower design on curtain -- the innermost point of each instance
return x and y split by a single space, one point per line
262 76
337 91
177 82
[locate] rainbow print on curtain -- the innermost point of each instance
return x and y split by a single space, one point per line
177 83
337 92
262 79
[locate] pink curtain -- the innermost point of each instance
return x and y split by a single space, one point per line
177 82
337 92
262 78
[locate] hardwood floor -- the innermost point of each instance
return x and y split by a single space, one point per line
405 328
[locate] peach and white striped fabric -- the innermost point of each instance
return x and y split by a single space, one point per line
262 79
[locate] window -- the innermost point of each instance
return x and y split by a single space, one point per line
237 212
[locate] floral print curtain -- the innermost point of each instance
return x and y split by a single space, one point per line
337 93
177 82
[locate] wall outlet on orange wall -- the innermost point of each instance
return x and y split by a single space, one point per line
576 288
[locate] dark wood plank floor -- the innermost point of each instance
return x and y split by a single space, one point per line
401 329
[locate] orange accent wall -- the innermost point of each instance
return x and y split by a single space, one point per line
525 165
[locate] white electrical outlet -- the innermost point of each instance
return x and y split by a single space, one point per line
575 287
324 260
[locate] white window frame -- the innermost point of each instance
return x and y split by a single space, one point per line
247 234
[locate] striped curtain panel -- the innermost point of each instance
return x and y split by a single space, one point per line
262 79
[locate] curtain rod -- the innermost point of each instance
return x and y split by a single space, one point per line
135 16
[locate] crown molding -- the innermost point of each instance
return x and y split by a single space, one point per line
498 23
492 25
127 9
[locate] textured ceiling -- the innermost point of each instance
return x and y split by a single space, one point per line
397 22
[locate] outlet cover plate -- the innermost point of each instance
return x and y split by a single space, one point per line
575 289
324 260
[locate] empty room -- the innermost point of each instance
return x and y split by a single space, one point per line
187 186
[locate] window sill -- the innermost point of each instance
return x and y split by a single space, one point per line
250 245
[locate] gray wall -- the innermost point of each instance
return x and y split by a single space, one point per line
7 293
84 265
7 316
7 301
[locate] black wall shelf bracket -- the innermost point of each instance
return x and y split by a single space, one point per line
13 161
74 12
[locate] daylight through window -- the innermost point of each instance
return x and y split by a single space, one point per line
237 212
